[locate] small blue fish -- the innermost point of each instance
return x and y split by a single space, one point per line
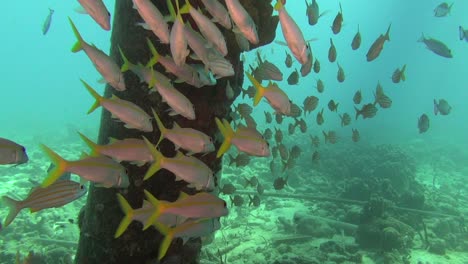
47 22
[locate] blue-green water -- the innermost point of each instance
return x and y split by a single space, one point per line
43 101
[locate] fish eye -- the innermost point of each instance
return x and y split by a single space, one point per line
108 14
81 187
224 204
23 149
126 171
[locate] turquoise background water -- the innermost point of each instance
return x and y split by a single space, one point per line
41 92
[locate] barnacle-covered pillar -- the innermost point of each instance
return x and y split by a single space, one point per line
100 217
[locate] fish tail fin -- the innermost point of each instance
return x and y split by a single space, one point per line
79 43
93 146
436 107
127 64
387 35
60 166
172 12
461 32
325 136
158 209
154 52
157 156
185 8
278 5
450 7
260 90
227 133
358 112
128 218
14 208
162 128
96 96
403 76
421 39
168 237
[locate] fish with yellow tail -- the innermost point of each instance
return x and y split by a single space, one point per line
276 97
129 113
153 18
183 72
207 28
293 35
246 139
132 150
218 12
56 195
104 64
199 205
186 138
242 20
178 42
102 170
98 11
187 168
141 215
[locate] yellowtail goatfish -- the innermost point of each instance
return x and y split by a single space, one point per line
184 72
276 97
187 168
102 170
103 63
199 205
153 18
246 139
129 113
292 34
98 11
207 28
186 138
186 230
219 13
130 149
243 21
141 215
55 195
12 153
47 22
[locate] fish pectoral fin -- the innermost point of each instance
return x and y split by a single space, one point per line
102 80
138 163
80 10
143 25
236 30
281 42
